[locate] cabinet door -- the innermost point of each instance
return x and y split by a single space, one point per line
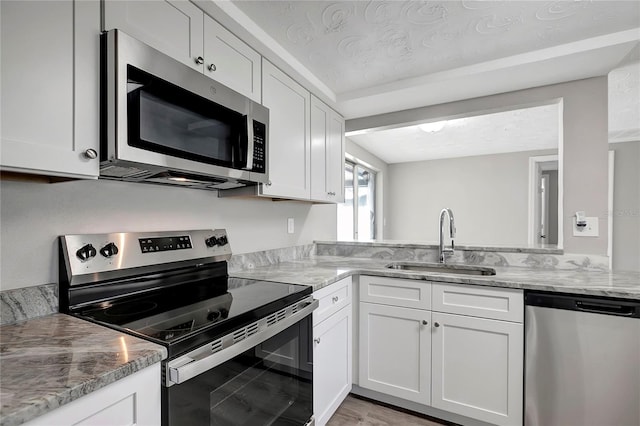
477 368
395 351
289 137
327 153
332 376
173 27
133 400
50 119
231 61
335 157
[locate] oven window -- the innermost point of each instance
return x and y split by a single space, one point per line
167 119
270 384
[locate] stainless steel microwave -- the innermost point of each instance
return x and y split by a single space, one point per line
166 123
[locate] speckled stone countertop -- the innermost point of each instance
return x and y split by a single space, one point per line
320 271
50 361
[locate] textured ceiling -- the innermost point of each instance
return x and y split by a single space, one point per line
356 45
377 56
525 129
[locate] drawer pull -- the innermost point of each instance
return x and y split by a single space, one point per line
335 299
317 340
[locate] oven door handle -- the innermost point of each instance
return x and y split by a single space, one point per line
213 354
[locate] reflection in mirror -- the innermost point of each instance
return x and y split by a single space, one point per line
480 167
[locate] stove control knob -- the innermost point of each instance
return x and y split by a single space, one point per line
213 316
211 241
86 252
109 250
223 240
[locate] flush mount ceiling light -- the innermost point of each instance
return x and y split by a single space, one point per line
436 126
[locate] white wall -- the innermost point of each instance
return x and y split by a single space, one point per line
626 206
488 195
583 152
33 215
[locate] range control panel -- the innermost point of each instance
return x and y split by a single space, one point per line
95 253
150 245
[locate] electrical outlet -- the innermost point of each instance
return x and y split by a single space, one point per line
290 225
590 230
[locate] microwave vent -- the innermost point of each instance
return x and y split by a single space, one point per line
123 172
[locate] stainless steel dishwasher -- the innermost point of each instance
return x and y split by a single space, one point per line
582 360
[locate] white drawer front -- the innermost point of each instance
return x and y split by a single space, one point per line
396 292
332 298
495 303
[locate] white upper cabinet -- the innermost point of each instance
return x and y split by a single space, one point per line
327 153
50 68
181 30
174 27
230 61
289 137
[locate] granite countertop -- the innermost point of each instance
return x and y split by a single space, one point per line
49 361
320 271
536 248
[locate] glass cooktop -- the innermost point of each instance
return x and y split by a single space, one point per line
188 315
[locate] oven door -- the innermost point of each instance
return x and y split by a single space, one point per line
265 378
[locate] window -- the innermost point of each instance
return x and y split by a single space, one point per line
356 216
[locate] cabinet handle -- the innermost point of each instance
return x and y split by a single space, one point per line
212 67
199 60
268 183
90 154
317 340
425 322
436 324
335 299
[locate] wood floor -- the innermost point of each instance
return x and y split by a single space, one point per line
357 411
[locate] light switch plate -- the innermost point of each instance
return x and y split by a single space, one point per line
591 230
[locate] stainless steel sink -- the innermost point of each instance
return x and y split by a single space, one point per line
443 268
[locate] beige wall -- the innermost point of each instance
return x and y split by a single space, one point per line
33 215
488 194
583 153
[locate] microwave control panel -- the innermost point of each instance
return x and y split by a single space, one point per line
259 154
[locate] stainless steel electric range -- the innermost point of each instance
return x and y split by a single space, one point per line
240 351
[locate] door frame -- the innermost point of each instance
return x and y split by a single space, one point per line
536 166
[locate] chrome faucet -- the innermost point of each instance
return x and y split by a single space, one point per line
452 233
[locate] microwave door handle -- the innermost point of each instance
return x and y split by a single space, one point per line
249 123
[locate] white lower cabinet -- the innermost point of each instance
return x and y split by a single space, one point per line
332 350
134 400
455 353
477 368
395 351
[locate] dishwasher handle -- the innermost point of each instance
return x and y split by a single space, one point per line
605 308
628 308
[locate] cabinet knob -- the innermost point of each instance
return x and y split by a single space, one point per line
425 322
212 67
335 299
268 183
90 154
199 60
436 324
317 340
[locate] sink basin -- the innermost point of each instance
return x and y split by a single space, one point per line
443 268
